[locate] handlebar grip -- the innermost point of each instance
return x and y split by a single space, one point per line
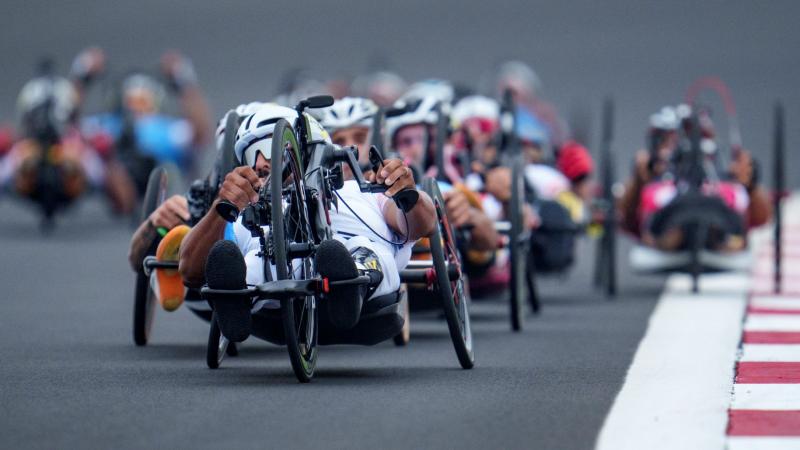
406 199
227 211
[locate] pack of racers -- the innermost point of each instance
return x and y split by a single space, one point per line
111 151
475 182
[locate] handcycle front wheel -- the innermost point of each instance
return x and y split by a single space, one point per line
404 336
452 293
290 224
144 299
218 345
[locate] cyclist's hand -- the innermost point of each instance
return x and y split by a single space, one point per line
395 174
240 187
742 168
173 212
498 183
477 167
459 211
179 70
88 64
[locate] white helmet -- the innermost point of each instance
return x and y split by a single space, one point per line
348 112
56 94
142 85
520 76
475 107
440 90
665 119
383 87
255 132
410 112
243 110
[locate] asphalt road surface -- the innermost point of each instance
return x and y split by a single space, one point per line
70 374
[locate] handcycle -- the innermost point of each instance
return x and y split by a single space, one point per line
162 182
560 227
698 213
514 236
295 204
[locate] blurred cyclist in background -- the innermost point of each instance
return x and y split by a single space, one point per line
48 111
525 87
382 87
411 129
652 186
136 130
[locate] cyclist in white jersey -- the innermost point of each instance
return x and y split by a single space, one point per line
372 235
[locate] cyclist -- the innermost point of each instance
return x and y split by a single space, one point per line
382 87
651 188
349 122
368 231
411 134
526 87
137 129
48 112
170 219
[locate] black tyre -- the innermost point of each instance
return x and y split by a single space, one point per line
218 345
48 190
228 160
453 294
290 224
144 299
402 338
518 247
605 270
778 178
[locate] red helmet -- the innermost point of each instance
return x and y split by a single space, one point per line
574 161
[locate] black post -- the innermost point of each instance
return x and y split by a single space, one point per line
608 263
442 128
777 197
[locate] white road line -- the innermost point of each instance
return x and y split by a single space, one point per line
766 396
716 284
772 302
763 443
772 322
771 353
677 390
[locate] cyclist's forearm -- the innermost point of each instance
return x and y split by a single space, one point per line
196 111
140 242
421 219
483 235
197 244
759 211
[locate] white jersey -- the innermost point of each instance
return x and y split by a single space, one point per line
546 181
352 205
349 230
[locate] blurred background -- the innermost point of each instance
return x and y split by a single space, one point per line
73 378
644 54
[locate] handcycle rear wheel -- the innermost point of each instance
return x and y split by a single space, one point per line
292 225
453 294
144 299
